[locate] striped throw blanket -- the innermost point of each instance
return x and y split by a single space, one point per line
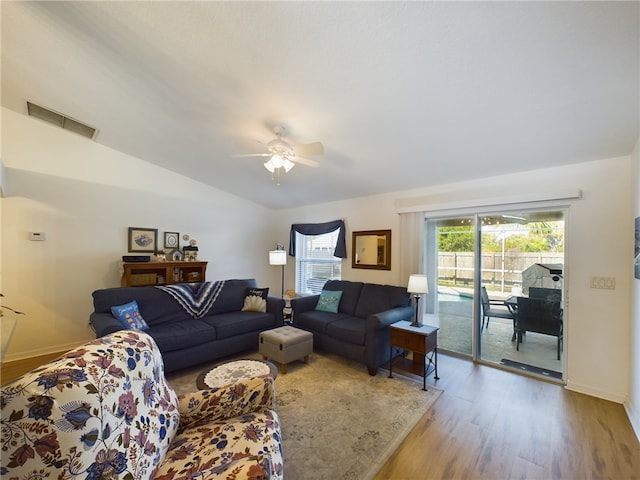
196 298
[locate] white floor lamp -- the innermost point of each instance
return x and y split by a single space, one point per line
279 257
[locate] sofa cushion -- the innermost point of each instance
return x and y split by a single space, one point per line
238 447
129 316
182 335
350 330
156 306
255 300
317 321
350 294
328 301
236 323
376 298
231 297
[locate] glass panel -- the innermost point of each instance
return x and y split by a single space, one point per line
454 240
521 251
315 263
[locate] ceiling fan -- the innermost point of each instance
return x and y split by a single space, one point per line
284 156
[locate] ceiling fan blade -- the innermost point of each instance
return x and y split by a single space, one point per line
252 155
309 149
306 161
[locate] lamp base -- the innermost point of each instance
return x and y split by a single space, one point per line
416 322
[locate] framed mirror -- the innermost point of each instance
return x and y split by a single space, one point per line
371 249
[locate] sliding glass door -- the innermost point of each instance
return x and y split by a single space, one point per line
482 264
522 256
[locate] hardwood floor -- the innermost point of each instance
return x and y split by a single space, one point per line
492 424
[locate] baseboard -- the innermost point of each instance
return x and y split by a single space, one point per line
9 371
634 418
27 354
594 392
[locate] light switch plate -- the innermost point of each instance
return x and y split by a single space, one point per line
603 283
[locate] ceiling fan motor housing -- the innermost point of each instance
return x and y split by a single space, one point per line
280 147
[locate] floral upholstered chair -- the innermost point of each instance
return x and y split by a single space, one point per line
105 410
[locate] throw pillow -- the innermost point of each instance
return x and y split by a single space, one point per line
255 300
129 316
329 301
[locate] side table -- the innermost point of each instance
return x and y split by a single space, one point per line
423 342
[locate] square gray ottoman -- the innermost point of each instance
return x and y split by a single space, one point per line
285 344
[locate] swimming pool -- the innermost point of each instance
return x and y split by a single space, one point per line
453 297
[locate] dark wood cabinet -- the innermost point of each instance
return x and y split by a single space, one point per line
139 274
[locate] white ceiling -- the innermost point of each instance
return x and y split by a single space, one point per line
401 94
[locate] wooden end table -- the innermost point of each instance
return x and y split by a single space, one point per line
422 341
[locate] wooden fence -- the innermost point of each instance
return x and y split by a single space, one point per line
498 272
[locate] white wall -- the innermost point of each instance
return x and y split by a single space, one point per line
84 196
599 239
633 403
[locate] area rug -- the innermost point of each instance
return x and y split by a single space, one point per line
531 368
338 422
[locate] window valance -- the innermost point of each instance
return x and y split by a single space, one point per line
320 229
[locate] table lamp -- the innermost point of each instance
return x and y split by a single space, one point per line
279 257
417 285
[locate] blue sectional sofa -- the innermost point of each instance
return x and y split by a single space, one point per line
359 330
183 339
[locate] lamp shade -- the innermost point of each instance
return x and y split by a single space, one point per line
278 257
418 284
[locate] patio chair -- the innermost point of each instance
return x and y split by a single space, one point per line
492 308
539 316
550 294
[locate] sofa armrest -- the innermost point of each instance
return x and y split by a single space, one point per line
303 304
386 318
104 324
378 335
246 396
276 305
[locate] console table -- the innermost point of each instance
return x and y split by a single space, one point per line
422 341
138 274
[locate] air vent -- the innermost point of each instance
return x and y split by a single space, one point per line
60 120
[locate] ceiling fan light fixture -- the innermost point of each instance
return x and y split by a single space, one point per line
269 166
287 165
276 161
282 157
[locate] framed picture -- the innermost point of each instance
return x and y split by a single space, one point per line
143 239
171 240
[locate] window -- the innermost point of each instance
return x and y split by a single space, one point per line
315 263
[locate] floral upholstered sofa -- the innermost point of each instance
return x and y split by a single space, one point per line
105 410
